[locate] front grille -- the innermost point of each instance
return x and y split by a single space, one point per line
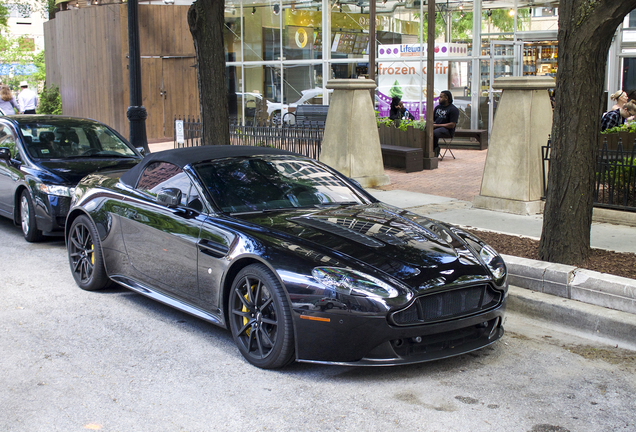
448 305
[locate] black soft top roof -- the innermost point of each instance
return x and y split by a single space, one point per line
191 155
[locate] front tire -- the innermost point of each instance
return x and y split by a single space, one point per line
85 255
29 226
260 318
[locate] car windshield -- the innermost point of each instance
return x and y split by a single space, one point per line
262 183
72 139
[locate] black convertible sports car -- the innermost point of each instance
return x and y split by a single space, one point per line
297 260
41 160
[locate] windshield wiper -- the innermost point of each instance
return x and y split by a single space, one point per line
98 155
270 210
333 204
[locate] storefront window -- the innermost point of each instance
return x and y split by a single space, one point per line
277 52
302 30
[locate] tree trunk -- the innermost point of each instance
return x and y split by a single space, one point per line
206 22
586 28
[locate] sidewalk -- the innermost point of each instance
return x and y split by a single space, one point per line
585 301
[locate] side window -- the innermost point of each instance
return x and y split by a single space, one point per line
7 139
160 175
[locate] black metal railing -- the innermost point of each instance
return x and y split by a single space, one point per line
615 185
303 139
616 178
545 155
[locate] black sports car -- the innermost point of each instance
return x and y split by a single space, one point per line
297 260
43 157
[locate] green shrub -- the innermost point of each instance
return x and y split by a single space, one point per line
627 127
625 170
50 101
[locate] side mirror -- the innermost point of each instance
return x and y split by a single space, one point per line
5 154
355 182
170 197
141 150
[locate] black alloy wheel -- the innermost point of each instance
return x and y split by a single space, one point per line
85 255
29 226
260 318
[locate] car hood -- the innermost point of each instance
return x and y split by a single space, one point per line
417 250
72 171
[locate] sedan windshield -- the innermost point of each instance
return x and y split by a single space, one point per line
251 184
72 139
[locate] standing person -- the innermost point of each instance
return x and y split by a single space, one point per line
8 105
445 118
617 117
27 99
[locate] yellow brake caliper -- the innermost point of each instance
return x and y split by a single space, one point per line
244 309
92 253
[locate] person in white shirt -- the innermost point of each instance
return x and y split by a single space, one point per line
27 99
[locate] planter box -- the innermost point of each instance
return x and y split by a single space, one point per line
412 137
626 138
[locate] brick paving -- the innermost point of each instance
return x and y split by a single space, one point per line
454 178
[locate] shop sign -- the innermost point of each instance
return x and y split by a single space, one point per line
400 73
300 37
347 21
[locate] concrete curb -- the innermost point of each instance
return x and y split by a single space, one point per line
573 283
581 318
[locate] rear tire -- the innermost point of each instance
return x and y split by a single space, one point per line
260 318
29 226
85 255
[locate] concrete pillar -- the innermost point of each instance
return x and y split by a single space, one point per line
351 143
513 175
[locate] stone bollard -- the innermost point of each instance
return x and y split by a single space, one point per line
513 175
351 143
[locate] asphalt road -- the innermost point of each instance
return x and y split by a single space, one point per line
115 361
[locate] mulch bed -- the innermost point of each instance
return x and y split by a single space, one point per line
616 263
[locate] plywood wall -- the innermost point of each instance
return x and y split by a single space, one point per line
86 56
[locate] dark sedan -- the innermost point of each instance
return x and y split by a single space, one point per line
43 157
295 259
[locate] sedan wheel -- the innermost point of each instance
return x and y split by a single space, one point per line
27 219
85 255
260 318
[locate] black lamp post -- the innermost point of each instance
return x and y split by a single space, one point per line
136 111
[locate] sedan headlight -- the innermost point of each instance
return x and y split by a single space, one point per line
55 189
346 281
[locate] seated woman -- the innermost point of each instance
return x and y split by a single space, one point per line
621 99
398 111
617 117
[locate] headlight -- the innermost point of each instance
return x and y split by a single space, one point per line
494 263
55 189
346 281
487 254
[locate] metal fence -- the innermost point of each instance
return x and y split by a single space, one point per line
302 139
615 186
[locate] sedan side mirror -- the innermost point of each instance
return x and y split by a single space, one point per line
141 150
170 197
5 154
